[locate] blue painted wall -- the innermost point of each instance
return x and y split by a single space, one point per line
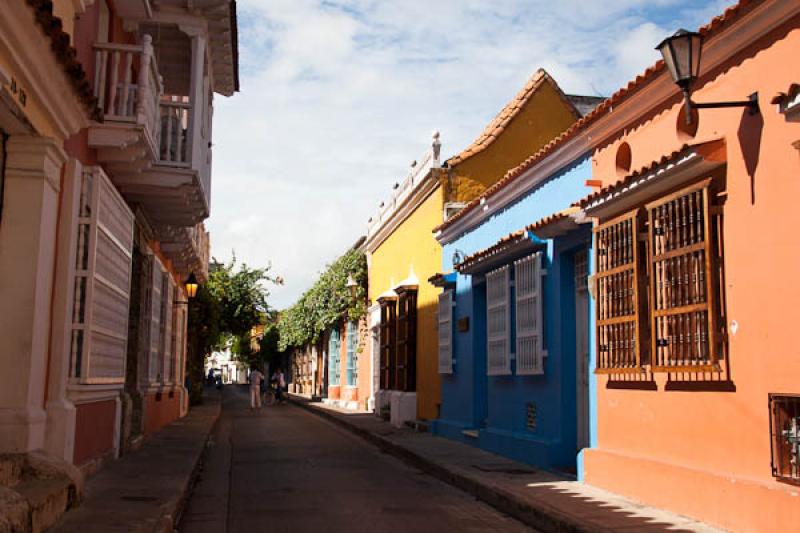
496 406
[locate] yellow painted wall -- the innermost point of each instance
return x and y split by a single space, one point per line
412 244
544 116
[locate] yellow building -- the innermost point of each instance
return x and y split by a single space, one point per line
402 252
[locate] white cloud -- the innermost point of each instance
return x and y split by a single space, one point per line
339 96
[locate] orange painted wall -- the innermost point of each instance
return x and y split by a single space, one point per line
94 430
707 453
160 410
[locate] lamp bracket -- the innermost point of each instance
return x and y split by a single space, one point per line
751 103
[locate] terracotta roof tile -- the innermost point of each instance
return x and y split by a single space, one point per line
718 23
709 149
65 53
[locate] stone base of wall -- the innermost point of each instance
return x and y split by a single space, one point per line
724 500
95 428
402 407
160 409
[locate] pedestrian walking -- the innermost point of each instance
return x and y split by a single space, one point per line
280 383
256 377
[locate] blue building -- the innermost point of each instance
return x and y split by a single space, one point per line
515 336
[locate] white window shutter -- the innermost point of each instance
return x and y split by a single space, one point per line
529 316
169 341
497 288
100 338
446 332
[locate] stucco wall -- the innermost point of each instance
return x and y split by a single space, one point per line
706 451
544 116
412 246
470 398
94 430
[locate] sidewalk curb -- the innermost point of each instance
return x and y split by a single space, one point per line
107 510
542 516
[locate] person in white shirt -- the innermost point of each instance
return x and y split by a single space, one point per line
256 377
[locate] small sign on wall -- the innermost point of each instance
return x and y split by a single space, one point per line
463 324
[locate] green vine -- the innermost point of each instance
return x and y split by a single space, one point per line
327 302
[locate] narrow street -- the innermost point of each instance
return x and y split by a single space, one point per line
283 469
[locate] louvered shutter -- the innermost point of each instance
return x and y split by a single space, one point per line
498 362
529 316
103 277
169 317
446 332
155 322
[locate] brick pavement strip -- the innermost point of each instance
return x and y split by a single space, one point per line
540 499
146 490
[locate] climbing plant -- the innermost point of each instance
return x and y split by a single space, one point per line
326 302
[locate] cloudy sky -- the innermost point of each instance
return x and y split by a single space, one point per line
339 96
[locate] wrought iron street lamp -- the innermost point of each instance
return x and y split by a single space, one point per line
190 285
682 52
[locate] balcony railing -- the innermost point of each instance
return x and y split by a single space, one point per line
175 123
127 83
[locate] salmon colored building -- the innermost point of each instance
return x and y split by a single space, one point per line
105 176
698 367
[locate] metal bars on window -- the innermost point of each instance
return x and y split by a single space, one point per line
334 358
445 329
681 281
528 287
352 354
497 319
619 346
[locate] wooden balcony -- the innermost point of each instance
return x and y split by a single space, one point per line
187 248
128 87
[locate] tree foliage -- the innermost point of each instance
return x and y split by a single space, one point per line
326 302
227 306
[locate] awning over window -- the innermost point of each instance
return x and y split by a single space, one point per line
558 224
443 281
671 171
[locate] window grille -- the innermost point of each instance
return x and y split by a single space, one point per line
681 281
619 347
445 329
529 315
102 282
352 354
406 367
388 334
785 436
497 284
334 358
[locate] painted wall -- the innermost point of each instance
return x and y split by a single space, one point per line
412 246
543 116
95 427
497 404
160 410
706 452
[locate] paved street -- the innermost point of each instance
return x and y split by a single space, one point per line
283 469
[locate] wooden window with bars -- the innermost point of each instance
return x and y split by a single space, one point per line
498 361
388 339
682 284
618 305
352 354
785 436
445 330
529 315
406 366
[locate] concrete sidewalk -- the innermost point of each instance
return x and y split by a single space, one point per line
146 490
540 499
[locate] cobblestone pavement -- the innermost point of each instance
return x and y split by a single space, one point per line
283 469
